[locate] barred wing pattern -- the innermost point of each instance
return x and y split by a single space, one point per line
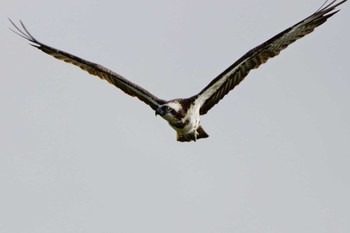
234 74
95 69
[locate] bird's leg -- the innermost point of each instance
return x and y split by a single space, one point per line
195 134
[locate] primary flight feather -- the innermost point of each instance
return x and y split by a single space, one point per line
183 114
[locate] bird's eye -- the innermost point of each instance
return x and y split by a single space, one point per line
166 108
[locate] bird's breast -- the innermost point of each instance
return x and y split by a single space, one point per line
186 126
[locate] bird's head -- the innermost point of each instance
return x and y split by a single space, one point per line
170 110
163 110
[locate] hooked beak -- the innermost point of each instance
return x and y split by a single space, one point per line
160 111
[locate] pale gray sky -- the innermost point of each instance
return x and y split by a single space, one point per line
78 155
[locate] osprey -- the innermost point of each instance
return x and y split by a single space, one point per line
183 114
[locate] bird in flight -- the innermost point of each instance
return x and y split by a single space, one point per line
183 114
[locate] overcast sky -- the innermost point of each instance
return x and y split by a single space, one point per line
78 155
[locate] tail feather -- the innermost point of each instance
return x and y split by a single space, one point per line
201 133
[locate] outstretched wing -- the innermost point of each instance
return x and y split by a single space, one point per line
93 68
234 74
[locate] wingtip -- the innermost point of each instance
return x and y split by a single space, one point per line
23 32
330 6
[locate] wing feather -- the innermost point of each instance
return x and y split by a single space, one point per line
92 68
234 74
